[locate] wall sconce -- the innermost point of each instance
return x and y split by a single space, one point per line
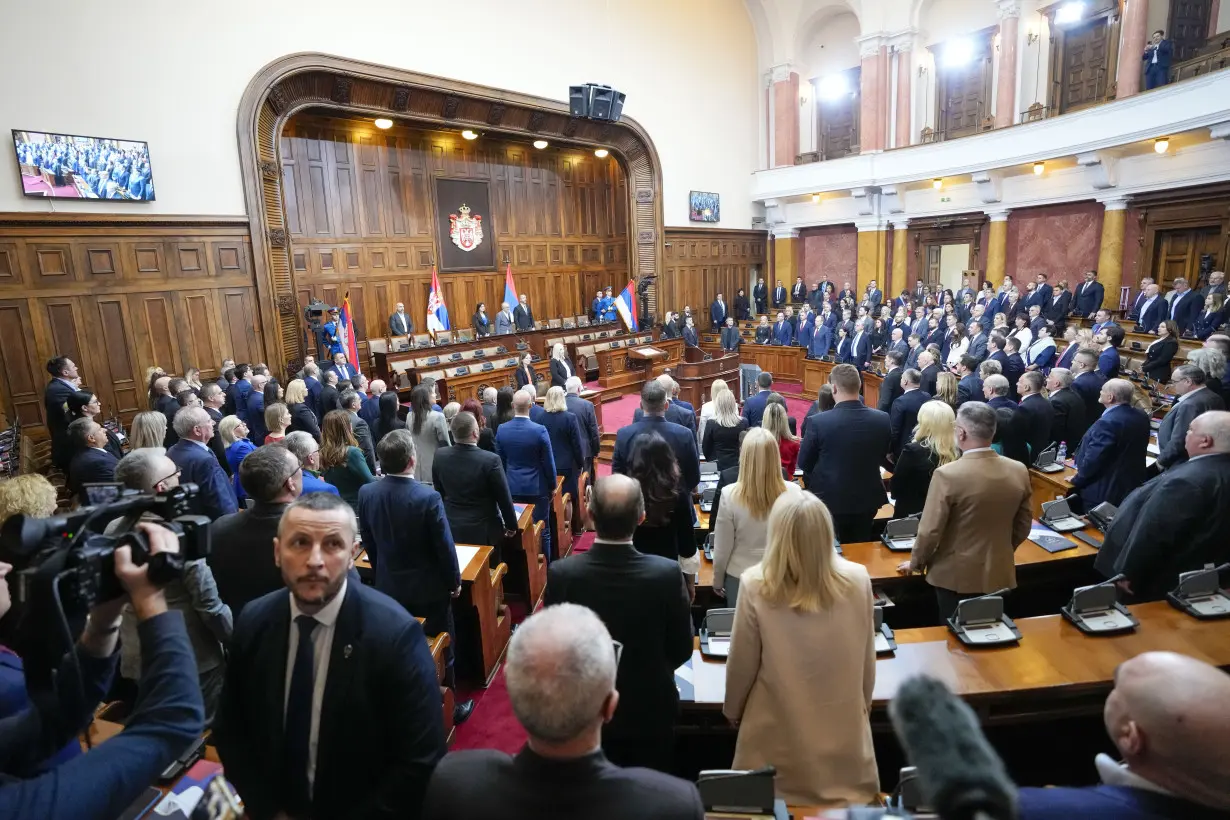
1031 35
802 99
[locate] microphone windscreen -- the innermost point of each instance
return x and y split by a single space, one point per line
960 774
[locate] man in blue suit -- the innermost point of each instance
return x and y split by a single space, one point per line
1111 460
1089 295
970 386
1185 305
256 411
583 409
779 294
1156 57
1152 311
1166 717
198 465
529 463
90 463
977 340
753 408
1042 293
410 545
717 313
782 334
237 394
681 439
1087 382
1109 360
370 412
903 416
821 339
806 329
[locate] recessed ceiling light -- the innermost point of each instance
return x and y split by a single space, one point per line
601 153
1039 167
937 183
384 122
540 144
468 134
1161 144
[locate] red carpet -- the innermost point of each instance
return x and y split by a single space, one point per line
492 725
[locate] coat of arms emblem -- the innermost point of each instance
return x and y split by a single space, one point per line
466 231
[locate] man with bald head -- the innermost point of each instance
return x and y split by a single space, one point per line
1180 520
1167 717
561 674
524 447
1111 460
644 602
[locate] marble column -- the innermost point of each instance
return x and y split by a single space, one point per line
1110 257
872 99
1009 36
785 114
872 254
901 259
1131 46
785 257
905 100
997 247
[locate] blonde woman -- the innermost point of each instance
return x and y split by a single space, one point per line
802 663
710 407
777 423
743 513
234 435
277 421
720 443
27 494
946 389
149 429
298 402
561 369
934 444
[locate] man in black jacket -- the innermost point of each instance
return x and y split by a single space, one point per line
330 398
352 404
891 389
1035 415
91 463
561 675
474 489
730 336
681 439
212 399
1180 520
903 415
1187 381
841 454
1069 423
644 603
64 382
583 409
970 386
760 295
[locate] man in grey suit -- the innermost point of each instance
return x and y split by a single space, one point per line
503 320
488 403
1187 381
583 409
399 323
352 403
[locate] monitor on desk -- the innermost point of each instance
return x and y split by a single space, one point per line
582 321
399 344
465 335
570 323
422 339
444 337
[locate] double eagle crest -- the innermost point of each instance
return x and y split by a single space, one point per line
466 231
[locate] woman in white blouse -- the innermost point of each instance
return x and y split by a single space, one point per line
957 346
1022 332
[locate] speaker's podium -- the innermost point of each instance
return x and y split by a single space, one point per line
643 357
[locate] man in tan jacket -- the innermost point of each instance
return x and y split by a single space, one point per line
977 512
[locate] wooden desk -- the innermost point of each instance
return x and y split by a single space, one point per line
815 375
527 574
785 363
619 367
1055 666
482 620
1049 486
696 375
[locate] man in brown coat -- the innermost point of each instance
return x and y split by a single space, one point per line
977 512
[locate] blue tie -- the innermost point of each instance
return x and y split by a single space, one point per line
299 716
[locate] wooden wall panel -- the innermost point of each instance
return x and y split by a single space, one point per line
119 294
700 262
360 216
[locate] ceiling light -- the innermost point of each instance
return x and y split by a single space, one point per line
815 198
384 122
833 87
540 144
937 183
958 52
1039 167
1069 13
601 153
468 134
1161 144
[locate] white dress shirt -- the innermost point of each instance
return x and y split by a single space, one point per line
322 646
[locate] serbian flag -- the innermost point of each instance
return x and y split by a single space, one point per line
625 304
510 289
345 332
437 311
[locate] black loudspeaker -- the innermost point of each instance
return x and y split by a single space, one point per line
580 100
608 104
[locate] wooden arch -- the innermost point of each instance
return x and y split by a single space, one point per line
311 80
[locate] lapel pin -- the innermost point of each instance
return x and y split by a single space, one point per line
346 652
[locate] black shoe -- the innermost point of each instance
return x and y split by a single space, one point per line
462 711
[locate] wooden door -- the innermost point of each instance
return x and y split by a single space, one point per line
1189 27
837 122
1179 251
932 275
964 93
1084 65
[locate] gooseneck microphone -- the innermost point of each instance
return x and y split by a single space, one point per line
961 776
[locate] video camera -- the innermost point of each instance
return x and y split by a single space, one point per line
74 554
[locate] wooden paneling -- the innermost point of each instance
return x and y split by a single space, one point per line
1176 227
1189 27
359 212
117 295
700 262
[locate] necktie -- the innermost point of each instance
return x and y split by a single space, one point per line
299 715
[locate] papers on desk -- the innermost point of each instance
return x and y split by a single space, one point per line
465 555
519 508
684 681
1046 538
719 647
1152 449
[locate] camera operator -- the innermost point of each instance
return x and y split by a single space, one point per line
194 593
167 717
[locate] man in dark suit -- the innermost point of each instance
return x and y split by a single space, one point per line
370 412
487 400
914 343
903 416
654 420
644 603
525 449
583 409
1035 415
256 411
91 463
399 323
730 336
753 408
1166 717
237 397
873 296
977 341
1068 423
561 675
783 334
64 382
197 464
798 293
351 403
1152 310
841 454
166 404
779 295
717 313
677 412
212 398
1178 521
341 368
353 669
995 394
329 398
1185 305
523 317
1087 383
760 295
1157 56
1014 364
1042 293
969 388
1195 399
1089 295
898 342
891 388
1111 460
860 345
474 489
928 372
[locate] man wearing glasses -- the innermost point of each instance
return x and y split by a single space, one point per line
1187 382
307 451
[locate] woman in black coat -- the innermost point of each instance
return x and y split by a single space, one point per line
561 369
721 440
667 528
1159 355
743 310
482 324
525 372
565 432
389 419
301 415
934 445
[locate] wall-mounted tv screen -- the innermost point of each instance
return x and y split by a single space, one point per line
64 166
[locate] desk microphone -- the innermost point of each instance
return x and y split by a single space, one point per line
961 776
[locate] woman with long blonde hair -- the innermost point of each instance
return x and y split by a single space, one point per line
934 444
801 670
720 442
743 511
149 429
708 409
946 388
778 423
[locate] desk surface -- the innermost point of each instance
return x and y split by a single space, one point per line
1053 657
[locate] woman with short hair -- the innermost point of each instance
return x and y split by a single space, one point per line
802 663
720 443
342 463
277 421
933 445
234 435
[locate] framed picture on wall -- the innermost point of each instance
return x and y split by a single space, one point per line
464 226
704 206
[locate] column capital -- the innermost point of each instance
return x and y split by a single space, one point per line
781 72
1008 8
997 214
864 225
1118 203
869 45
785 232
899 224
903 40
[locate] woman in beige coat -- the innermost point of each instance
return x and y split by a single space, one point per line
801 670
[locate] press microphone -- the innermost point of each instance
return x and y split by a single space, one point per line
961 776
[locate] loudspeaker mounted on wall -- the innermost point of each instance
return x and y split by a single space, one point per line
596 102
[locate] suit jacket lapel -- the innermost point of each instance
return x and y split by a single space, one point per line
343 661
275 646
